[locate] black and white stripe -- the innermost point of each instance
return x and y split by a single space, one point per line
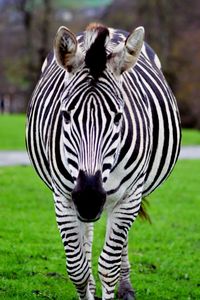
103 120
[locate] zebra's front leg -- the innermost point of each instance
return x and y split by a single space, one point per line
110 261
72 235
88 239
125 290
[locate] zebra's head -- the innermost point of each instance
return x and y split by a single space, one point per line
92 109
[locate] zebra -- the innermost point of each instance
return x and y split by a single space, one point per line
103 131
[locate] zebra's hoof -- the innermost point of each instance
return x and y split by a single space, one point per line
126 292
129 296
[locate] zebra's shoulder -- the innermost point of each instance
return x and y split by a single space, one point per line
150 54
50 66
117 35
48 60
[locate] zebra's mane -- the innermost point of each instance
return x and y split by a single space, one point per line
96 37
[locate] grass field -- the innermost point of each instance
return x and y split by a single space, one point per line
12 131
164 256
190 137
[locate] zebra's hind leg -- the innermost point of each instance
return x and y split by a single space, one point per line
125 290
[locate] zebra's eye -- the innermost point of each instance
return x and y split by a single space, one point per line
117 118
66 116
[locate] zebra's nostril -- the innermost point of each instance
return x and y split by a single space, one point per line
89 204
89 196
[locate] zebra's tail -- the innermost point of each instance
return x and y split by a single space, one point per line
143 214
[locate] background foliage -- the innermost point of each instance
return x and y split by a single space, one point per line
28 27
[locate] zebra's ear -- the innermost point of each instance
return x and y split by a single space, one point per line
125 55
66 50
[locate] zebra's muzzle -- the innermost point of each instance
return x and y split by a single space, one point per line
89 196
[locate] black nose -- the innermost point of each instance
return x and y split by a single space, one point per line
89 196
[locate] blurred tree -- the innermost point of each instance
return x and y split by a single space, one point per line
26 10
27 29
45 29
36 48
172 29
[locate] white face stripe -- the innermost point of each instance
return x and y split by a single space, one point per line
91 132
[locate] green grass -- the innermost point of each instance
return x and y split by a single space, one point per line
190 137
164 256
12 132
